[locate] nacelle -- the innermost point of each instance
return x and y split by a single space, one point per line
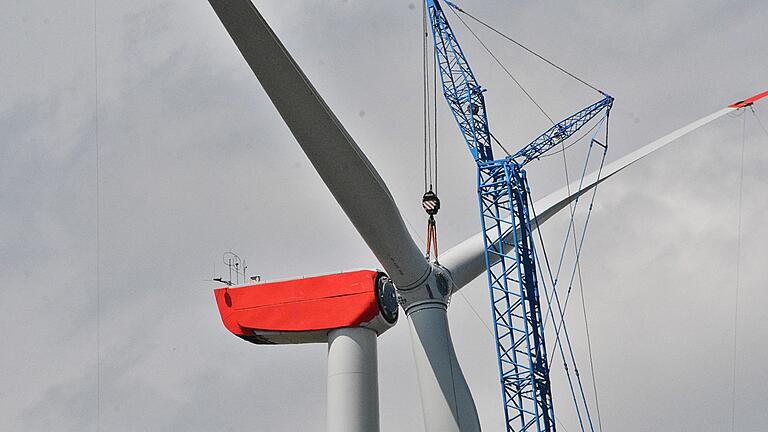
304 310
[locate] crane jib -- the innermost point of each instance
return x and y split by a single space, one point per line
560 132
460 88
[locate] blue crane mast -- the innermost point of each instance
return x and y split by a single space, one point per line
510 255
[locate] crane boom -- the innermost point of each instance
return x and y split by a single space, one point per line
460 88
503 196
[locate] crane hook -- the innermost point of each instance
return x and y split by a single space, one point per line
431 204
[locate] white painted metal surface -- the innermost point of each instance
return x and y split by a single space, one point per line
353 386
445 397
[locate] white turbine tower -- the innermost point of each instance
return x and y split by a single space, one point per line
423 288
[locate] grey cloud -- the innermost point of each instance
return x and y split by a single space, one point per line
194 161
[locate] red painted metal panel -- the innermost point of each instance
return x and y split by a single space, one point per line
748 102
308 304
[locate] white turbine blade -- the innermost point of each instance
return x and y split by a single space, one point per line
346 171
556 201
466 261
445 397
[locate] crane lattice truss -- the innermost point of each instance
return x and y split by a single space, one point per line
517 318
509 244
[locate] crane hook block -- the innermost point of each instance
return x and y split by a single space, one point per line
431 203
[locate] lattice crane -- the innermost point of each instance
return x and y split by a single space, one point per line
503 195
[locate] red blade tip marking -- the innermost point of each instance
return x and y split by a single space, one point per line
748 102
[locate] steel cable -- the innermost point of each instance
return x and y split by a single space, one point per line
530 51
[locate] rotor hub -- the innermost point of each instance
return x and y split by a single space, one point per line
434 290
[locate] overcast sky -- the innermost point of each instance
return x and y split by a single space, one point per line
150 103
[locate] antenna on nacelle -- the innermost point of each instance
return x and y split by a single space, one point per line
237 270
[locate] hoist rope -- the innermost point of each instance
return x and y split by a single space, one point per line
577 270
572 208
571 228
760 122
430 201
549 295
430 111
577 250
530 51
738 273
550 310
434 96
562 327
425 101
562 307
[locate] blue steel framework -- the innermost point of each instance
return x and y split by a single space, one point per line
509 247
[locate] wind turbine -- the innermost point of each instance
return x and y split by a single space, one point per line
423 288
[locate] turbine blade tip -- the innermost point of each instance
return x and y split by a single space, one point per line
748 102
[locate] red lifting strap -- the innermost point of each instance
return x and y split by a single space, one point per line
431 236
431 204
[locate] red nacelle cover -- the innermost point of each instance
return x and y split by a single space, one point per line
310 304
